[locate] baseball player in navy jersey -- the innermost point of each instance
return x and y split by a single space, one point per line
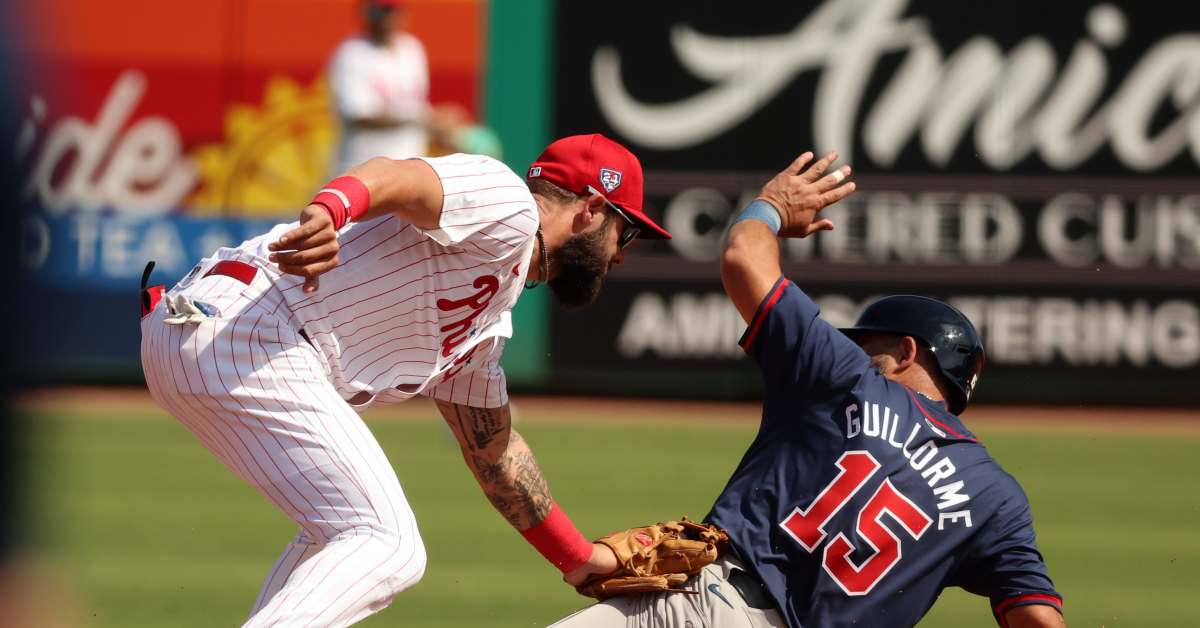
863 495
398 280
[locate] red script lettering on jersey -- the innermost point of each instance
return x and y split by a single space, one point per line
459 364
454 333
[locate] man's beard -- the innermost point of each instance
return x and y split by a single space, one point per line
581 269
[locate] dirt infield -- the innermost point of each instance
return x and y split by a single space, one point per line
983 418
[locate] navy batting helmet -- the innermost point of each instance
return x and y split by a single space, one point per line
947 332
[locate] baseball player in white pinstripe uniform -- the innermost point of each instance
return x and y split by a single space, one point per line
398 280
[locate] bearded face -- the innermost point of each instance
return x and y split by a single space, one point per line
582 264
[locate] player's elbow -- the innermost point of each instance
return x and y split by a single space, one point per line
380 164
735 265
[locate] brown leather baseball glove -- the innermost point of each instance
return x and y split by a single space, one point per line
659 557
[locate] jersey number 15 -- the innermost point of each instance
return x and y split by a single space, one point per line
807 527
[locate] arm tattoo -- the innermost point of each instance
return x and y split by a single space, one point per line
487 472
480 426
528 491
502 463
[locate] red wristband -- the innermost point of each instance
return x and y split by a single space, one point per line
559 541
345 198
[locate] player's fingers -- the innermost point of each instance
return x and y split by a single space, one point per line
823 224
304 256
311 285
799 163
833 179
837 194
299 234
319 238
309 270
818 169
298 271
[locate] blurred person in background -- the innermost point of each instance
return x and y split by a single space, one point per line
380 84
453 130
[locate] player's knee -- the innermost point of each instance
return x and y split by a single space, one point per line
416 568
405 564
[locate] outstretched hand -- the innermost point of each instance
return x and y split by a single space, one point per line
308 250
801 191
603 561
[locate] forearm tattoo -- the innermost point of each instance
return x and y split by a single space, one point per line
481 425
502 463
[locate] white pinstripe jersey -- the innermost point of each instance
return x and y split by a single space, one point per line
410 311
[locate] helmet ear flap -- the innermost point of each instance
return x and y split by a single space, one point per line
963 380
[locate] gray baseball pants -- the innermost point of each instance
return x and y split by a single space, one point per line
714 603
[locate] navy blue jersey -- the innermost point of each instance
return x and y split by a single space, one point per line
860 500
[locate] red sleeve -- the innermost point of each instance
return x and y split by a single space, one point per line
1030 599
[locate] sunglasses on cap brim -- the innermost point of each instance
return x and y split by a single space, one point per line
631 232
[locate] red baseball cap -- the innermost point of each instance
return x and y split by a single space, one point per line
593 163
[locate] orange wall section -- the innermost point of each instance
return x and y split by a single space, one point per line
252 36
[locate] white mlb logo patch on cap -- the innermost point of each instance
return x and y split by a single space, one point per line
610 179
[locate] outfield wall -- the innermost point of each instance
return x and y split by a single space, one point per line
161 131
1039 174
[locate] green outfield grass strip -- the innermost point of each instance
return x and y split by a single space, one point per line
149 530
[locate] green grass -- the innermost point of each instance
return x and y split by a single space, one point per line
152 531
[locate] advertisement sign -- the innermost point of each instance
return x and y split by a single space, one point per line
161 131
1045 344
1041 175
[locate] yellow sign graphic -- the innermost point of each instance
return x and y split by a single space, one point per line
273 157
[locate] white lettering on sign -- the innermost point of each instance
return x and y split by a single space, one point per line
696 218
92 165
1080 230
1017 330
118 248
682 326
35 242
976 228
1016 102
1090 332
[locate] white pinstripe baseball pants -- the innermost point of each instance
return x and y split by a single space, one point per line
255 394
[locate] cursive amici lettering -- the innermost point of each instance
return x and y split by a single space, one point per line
1017 102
